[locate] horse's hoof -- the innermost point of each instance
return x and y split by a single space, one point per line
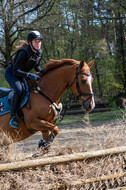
43 144
36 155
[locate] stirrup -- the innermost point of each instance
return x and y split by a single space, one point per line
11 122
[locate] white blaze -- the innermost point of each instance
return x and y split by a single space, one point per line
89 81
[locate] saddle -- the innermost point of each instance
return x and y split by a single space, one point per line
6 95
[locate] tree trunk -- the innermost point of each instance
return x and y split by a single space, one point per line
122 51
7 44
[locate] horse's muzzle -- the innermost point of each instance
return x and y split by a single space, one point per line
88 105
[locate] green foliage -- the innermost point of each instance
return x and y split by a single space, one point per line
73 29
112 102
100 116
3 82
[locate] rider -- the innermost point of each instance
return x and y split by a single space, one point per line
25 59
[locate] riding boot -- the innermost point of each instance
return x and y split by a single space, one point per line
14 107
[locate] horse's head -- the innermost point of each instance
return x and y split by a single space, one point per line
83 85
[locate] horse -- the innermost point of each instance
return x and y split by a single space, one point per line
58 76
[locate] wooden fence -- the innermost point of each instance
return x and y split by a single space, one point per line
76 108
61 159
113 178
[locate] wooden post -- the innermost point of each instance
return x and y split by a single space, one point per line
60 159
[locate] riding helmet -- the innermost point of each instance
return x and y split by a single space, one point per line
34 35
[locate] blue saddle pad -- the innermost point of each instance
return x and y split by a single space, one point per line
5 101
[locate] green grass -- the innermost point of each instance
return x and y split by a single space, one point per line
100 116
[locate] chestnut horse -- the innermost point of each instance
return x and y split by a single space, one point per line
58 76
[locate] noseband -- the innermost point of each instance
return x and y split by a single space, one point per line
78 87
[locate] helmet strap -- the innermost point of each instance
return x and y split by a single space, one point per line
33 49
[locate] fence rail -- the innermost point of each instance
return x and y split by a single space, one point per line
76 108
61 159
90 180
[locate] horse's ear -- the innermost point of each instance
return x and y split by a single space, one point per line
81 64
90 64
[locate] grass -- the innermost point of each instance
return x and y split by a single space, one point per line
100 116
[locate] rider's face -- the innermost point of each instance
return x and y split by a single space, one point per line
36 44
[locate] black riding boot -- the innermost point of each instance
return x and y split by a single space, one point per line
14 107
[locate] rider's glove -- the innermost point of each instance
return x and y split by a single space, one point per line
42 71
33 76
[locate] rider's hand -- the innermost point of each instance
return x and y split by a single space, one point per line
33 76
41 72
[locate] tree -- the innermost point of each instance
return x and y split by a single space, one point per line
111 15
72 29
17 17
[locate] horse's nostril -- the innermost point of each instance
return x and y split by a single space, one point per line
87 106
90 106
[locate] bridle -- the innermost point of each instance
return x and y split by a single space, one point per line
74 80
37 90
78 87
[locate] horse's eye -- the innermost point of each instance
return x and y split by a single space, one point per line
83 81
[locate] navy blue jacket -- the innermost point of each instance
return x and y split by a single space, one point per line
25 60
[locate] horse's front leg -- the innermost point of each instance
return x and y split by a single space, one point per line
45 134
48 130
45 144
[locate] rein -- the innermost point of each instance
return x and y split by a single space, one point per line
78 87
37 90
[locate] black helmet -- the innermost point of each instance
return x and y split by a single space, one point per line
34 35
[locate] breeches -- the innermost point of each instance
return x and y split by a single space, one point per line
13 81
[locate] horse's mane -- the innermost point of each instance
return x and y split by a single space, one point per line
53 64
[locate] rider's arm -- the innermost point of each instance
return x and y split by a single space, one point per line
38 68
21 58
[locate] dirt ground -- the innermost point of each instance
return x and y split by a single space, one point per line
79 137
75 137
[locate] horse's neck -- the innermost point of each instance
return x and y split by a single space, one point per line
55 82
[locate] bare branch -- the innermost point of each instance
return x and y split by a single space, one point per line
19 3
42 16
2 51
34 21
111 18
2 64
120 4
29 11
